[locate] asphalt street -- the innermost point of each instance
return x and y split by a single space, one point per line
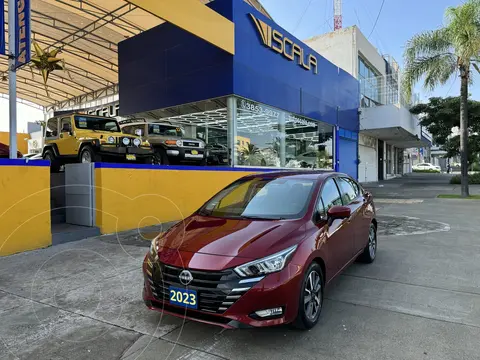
420 299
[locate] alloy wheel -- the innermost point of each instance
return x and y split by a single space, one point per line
86 157
313 296
372 242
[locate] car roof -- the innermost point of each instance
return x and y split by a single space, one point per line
298 174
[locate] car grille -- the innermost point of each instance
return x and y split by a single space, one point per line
191 143
216 290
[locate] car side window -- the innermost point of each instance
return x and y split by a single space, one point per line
52 128
127 129
355 186
65 125
348 191
330 196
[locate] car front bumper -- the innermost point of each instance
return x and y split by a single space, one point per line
185 154
275 290
122 151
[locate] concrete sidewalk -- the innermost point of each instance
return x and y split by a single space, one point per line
417 186
420 299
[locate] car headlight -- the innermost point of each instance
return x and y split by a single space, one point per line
111 140
153 247
179 143
267 265
202 145
137 142
126 141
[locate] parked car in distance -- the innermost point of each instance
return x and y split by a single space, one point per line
5 152
261 251
169 142
83 138
427 167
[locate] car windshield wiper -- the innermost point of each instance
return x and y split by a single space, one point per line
262 217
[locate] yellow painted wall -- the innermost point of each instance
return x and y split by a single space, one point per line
24 208
133 198
22 144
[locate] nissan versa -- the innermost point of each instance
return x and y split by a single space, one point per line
262 250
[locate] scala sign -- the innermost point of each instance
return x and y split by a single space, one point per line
280 43
22 32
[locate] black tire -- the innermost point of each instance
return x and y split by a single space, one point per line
161 157
149 160
304 321
370 252
204 161
54 163
87 150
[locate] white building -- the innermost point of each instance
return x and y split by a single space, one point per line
387 127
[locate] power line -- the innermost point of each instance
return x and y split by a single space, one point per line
301 17
376 20
453 82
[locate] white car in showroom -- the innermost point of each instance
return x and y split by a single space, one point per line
426 167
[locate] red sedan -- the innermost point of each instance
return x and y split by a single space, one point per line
262 250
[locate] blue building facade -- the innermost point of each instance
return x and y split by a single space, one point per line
293 105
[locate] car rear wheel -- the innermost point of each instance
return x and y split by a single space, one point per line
370 251
54 164
311 298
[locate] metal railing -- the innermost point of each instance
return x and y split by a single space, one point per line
384 90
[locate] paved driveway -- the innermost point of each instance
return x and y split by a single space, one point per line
419 300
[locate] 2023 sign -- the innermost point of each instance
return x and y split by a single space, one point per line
183 297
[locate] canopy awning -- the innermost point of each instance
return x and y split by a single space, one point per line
88 32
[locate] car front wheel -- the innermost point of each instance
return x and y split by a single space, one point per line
311 298
87 155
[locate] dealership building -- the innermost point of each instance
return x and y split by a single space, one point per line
224 72
290 105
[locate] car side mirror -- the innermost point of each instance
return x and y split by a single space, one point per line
339 212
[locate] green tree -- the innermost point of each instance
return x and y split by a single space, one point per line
440 115
438 55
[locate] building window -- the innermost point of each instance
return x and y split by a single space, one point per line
370 84
275 138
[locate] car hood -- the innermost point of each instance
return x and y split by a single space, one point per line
251 239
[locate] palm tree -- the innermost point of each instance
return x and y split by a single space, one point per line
438 55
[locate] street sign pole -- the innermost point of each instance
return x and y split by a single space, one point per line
12 80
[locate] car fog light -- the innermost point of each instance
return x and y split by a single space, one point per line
269 312
137 142
126 141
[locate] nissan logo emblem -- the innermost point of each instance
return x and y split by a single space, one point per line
185 277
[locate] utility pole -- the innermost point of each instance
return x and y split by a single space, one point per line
12 80
337 14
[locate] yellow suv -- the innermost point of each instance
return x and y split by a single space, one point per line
79 138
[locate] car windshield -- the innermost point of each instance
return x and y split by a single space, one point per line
166 130
96 123
261 198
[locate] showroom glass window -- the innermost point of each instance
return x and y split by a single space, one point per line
370 84
270 137
204 120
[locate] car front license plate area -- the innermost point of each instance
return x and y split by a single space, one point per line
183 297
131 157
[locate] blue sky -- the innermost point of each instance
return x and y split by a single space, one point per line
398 22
